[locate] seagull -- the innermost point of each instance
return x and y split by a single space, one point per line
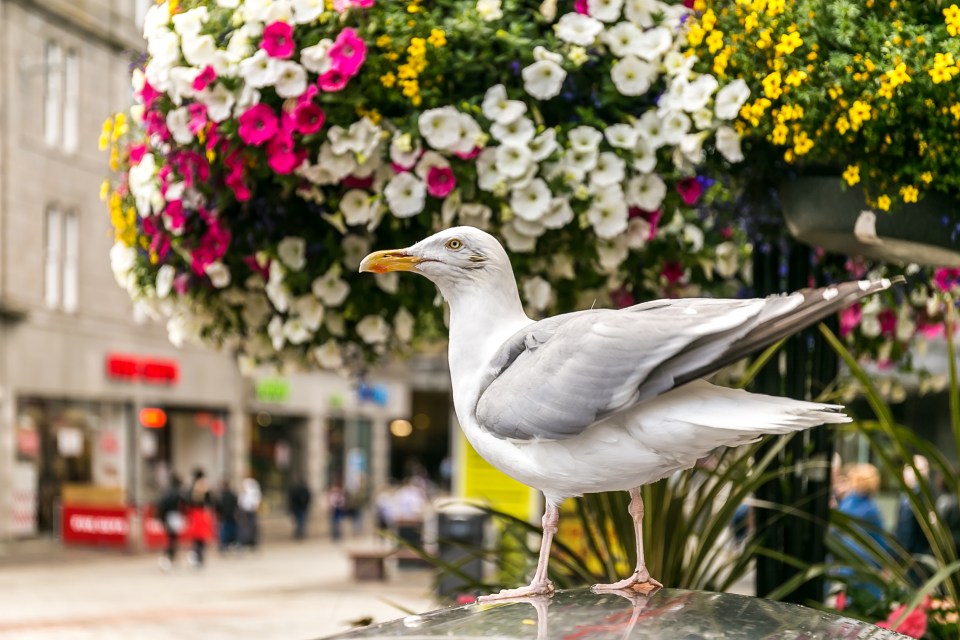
603 399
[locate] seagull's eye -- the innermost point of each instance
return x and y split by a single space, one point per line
454 244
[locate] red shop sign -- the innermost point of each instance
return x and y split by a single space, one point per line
95 525
132 368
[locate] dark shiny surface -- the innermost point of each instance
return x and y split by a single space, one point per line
669 613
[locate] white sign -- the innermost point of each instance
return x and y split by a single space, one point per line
69 442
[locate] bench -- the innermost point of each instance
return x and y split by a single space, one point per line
368 564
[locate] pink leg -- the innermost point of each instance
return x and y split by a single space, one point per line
640 580
541 585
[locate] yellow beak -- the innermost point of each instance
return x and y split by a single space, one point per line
391 260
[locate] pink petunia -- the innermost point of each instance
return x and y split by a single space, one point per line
672 271
198 117
309 118
622 298
888 322
652 218
946 279
850 319
137 151
440 181
913 625
204 79
174 215
181 283
342 5
281 154
580 6
348 52
470 155
690 190
332 81
212 247
148 94
258 124
278 40
353 182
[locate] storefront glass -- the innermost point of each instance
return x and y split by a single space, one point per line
349 450
189 439
278 446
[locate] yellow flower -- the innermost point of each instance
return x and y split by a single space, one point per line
437 38
955 110
859 112
843 125
751 22
720 62
771 85
765 40
852 175
802 143
779 135
952 17
898 75
795 77
909 193
104 190
883 203
715 41
384 41
789 42
388 80
708 20
696 34
927 177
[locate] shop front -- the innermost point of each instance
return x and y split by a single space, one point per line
278 455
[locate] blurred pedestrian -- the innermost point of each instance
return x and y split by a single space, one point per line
909 532
862 484
200 521
336 507
249 522
298 500
170 510
227 508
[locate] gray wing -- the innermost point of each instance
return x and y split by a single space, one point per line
558 376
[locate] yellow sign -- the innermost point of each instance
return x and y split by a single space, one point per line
480 480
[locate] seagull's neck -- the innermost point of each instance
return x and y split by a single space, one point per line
481 319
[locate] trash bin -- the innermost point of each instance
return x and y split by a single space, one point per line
460 533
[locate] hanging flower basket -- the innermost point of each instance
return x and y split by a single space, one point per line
822 212
276 143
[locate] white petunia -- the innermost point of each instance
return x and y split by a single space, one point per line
623 39
727 260
403 151
354 249
317 57
488 177
531 202
730 98
178 122
584 138
638 233
693 236
641 12
255 310
559 215
728 144
259 70
295 331
306 11
475 215
330 288
703 119
577 28
219 102
373 330
543 146
164 282
692 146
612 253
621 136
387 282
275 331
469 134
247 98
561 266
291 79
292 252
335 166
199 51
610 169
537 292
646 191
406 195
276 290
122 261
360 139
581 161
644 157
676 124
181 83
356 207
697 94
516 240
428 161
543 79
650 128
403 324
870 326
608 212
328 355
548 9
489 10
633 76
517 132
497 108
605 10
219 274
513 160
677 64
654 43
439 127
310 311
335 324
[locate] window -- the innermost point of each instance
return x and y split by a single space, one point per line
71 77
61 99
51 268
61 270
53 93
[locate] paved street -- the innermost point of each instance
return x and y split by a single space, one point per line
288 590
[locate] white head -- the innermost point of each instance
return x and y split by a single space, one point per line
457 260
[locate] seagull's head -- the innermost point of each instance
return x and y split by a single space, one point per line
453 259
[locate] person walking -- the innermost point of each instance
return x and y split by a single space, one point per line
170 510
298 499
249 502
227 511
199 517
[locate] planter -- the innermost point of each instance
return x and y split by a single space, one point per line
821 213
